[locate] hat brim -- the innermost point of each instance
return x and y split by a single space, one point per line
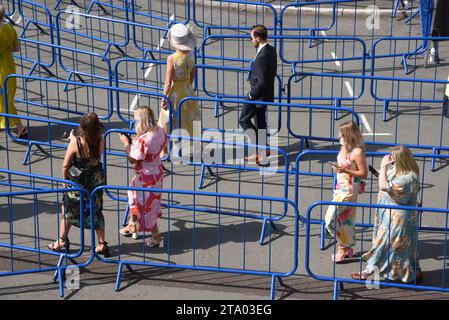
188 45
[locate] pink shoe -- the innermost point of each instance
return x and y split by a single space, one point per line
341 254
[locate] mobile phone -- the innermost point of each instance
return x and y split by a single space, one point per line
373 171
334 164
127 135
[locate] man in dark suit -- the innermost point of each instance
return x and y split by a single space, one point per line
263 72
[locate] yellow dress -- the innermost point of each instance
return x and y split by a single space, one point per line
8 41
181 88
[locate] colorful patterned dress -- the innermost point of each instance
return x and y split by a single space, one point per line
8 41
393 252
346 190
146 149
181 88
92 177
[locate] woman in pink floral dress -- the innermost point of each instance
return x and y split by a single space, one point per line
144 153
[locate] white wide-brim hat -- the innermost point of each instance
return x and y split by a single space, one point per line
181 37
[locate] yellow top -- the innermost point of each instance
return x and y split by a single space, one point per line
447 88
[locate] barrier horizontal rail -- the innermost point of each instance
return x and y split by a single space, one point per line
229 11
269 272
337 280
65 255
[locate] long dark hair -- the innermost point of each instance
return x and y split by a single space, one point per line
91 131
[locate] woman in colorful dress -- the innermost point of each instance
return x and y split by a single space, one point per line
393 252
351 168
178 80
9 43
144 152
84 152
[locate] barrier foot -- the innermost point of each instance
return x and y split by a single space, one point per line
120 49
125 217
404 62
384 110
434 151
31 71
27 154
273 287
119 276
55 276
129 268
280 281
336 288
201 177
262 233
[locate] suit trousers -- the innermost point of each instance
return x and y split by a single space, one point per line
259 112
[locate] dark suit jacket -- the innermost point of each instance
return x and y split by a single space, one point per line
263 72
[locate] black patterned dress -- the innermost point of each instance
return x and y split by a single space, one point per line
92 176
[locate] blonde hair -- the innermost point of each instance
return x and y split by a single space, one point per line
404 160
2 13
352 136
145 120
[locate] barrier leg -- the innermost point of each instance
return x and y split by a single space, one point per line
434 151
404 62
61 283
322 237
385 104
273 287
56 274
125 218
27 154
337 105
201 177
336 288
216 109
119 276
395 8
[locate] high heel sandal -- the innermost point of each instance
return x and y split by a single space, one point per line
126 230
155 241
364 275
59 247
341 254
105 249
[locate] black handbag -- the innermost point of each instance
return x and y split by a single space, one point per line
75 173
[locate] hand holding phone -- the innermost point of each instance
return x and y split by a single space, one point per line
334 164
128 136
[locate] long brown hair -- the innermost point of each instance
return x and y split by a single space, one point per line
352 136
92 133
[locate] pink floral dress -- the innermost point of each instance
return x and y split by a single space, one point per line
149 172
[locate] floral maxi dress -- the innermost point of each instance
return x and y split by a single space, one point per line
346 190
146 149
393 253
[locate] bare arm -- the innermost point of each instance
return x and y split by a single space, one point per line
169 75
69 154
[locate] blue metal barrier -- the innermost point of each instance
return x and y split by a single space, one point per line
10 9
35 191
320 157
42 108
212 207
339 280
245 13
97 34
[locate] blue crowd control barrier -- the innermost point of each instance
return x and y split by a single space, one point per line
37 194
38 53
83 65
56 115
341 53
92 33
10 9
233 16
224 263
313 163
32 14
440 285
160 12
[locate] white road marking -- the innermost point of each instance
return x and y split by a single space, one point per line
334 56
368 128
349 88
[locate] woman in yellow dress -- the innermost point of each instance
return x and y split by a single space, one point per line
178 81
9 43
